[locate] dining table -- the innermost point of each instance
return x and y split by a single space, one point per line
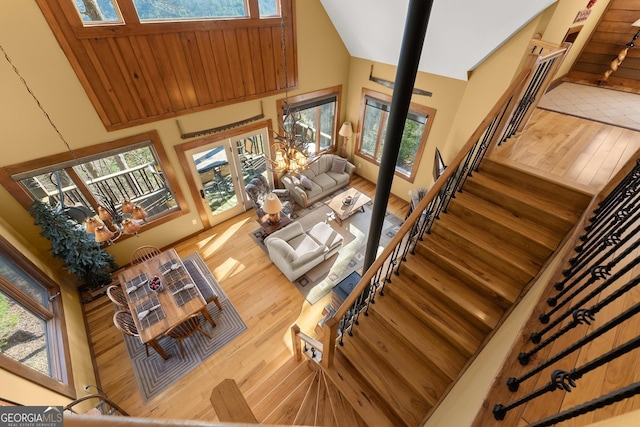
155 311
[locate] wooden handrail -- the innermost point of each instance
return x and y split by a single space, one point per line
296 339
229 403
331 325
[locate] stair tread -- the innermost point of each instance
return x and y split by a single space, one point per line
455 293
286 409
362 398
403 360
534 231
578 198
468 269
307 414
343 412
465 336
428 343
255 395
266 397
527 204
410 407
493 245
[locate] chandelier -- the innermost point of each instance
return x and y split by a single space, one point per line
291 147
112 223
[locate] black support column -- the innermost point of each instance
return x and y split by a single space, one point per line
411 49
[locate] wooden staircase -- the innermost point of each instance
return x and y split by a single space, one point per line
436 314
447 299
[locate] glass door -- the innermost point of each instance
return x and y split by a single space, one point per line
223 168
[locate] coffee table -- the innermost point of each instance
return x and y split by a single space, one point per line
342 211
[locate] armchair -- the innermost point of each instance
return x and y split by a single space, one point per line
258 188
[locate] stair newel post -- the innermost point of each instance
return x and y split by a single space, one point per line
329 342
295 342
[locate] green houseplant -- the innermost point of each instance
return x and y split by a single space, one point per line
80 253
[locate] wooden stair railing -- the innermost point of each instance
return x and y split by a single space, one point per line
229 403
434 202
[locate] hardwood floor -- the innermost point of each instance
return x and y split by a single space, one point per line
574 151
265 299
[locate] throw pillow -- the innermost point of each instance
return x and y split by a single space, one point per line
338 165
295 180
306 182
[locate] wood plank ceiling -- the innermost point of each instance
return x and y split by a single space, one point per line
136 73
610 36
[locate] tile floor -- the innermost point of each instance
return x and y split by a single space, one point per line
595 103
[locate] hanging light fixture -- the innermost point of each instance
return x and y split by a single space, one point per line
291 146
111 223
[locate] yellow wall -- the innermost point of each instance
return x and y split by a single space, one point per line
323 61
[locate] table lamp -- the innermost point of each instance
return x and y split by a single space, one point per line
272 206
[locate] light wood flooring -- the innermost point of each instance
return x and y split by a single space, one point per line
571 150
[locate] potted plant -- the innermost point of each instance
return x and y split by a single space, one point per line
80 253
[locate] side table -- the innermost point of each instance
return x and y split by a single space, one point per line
268 227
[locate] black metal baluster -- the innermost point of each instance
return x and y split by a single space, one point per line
582 317
536 336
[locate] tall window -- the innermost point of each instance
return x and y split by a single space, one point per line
319 112
107 11
131 169
374 117
33 341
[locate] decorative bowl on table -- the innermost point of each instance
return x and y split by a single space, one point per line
348 201
155 284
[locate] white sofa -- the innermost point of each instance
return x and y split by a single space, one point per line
321 178
295 252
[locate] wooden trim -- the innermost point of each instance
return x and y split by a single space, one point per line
181 149
58 340
414 107
25 198
135 73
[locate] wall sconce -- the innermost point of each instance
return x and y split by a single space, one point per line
438 165
617 61
345 131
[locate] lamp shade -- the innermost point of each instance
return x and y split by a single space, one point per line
346 130
138 212
127 206
636 23
272 205
91 224
103 234
104 213
130 226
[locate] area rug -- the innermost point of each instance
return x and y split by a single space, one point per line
608 106
319 281
153 374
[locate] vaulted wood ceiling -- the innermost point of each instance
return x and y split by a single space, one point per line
138 73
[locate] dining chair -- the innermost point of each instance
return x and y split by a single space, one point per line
144 253
125 323
116 295
185 330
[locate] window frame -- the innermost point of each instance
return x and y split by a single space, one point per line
414 108
299 102
61 379
26 200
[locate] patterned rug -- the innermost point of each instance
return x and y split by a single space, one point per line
319 281
153 374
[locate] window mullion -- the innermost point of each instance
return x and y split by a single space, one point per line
83 188
129 12
381 127
26 300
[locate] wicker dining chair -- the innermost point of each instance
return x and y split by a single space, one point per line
116 295
144 253
125 323
185 330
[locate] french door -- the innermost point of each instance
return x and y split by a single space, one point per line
222 168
